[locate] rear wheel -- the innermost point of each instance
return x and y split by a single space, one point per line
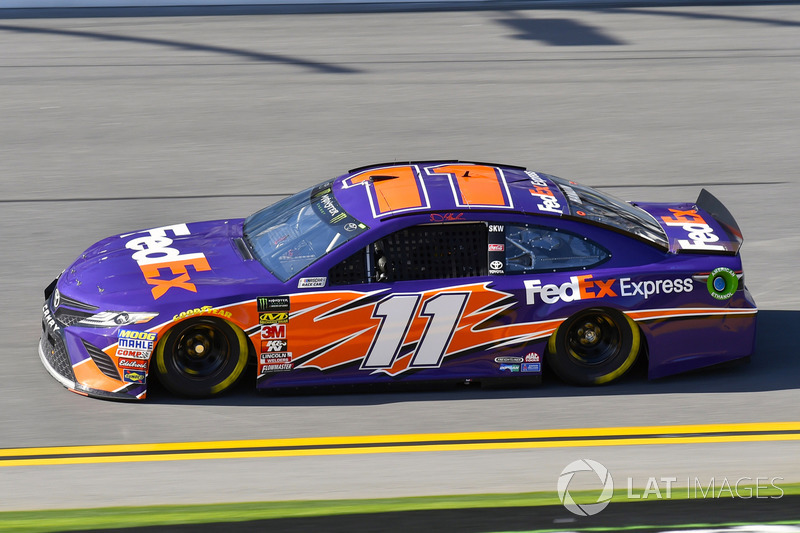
594 346
201 357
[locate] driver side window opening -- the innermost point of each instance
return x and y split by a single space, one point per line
539 249
431 251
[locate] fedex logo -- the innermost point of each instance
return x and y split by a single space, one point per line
700 233
154 254
541 189
577 288
273 331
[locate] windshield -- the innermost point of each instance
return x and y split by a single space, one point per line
591 204
291 234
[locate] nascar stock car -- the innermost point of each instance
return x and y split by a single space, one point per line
422 271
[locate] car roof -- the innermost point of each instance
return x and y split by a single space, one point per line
378 192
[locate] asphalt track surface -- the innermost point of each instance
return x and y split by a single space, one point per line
116 123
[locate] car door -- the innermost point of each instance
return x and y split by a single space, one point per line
398 308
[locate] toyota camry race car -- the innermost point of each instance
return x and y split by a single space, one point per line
426 271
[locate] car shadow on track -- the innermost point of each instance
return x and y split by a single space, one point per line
774 366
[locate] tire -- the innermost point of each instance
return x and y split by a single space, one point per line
201 357
594 347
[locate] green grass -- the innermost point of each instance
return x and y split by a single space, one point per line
116 517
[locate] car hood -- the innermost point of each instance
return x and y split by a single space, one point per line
166 265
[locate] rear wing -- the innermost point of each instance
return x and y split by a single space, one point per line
709 203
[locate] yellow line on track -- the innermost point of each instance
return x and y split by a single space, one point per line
424 442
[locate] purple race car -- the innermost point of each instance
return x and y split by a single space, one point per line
426 271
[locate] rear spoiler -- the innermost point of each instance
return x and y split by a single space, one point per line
709 203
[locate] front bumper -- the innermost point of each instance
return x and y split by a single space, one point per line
67 358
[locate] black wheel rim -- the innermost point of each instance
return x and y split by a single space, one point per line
202 351
593 339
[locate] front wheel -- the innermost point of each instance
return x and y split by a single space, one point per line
201 357
594 346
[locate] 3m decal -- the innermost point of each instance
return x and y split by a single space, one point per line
154 254
273 331
699 232
476 185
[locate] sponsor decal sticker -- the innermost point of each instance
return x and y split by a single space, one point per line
311 283
133 376
273 318
540 188
586 287
165 267
509 368
205 310
532 357
508 359
132 363
497 247
276 331
722 283
135 344
699 232
275 358
272 303
277 367
275 345
531 367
